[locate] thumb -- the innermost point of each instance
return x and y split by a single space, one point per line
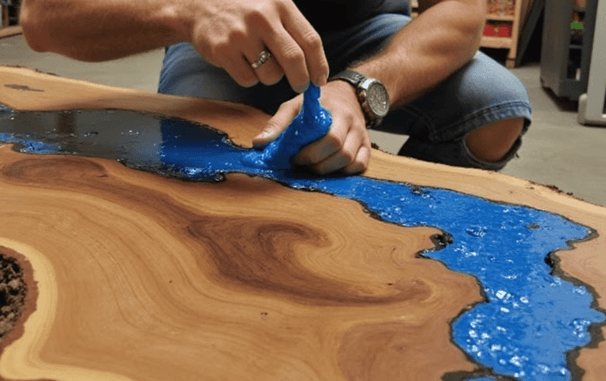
278 123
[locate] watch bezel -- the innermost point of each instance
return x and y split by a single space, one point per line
367 86
361 84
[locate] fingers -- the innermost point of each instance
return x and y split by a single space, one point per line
239 70
279 122
233 40
269 72
352 158
286 53
346 148
343 149
225 50
295 46
360 163
239 65
298 49
292 59
324 148
310 43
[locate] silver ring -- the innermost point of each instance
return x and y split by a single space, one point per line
264 56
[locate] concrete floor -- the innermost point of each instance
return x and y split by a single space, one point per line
556 150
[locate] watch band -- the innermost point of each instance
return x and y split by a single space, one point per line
350 76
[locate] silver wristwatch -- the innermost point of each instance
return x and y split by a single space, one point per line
372 95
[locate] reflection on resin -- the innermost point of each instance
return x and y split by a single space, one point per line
531 317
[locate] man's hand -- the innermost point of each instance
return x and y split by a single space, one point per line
345 148
231 33
228 33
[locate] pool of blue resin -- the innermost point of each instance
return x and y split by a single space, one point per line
531 318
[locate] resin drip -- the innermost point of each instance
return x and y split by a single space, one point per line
312 123
531 319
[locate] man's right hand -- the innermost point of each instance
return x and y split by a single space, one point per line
228 33
231 33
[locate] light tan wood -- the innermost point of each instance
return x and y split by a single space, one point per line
20 89
145 278
516 27
499 17
10 31
497 42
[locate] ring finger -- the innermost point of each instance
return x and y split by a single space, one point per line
267 70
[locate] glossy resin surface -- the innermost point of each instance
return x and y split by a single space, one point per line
532 319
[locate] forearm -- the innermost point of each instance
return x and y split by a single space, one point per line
428 50
98 30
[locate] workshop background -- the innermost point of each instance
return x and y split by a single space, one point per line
547 44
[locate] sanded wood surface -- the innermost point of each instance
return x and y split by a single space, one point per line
140 277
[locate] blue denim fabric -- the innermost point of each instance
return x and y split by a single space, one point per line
437 123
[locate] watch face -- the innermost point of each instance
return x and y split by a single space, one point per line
377 99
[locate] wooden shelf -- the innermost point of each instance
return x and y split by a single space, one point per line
517 20
494 17
497 42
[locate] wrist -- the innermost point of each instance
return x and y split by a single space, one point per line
342 96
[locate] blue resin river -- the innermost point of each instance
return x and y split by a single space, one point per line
532 319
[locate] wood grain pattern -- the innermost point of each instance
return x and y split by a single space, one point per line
144 278
156 279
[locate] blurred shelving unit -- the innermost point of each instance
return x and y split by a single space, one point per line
4 19
592 108
414 6
566 51
504 22
9 17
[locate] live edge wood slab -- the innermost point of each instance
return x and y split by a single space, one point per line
134 276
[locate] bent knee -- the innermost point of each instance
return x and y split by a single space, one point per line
493 142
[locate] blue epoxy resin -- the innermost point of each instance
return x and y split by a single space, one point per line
531 318
311 124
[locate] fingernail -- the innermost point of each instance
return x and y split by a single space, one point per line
321 81
302 88
263 135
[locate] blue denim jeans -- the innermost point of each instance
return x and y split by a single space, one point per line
481 92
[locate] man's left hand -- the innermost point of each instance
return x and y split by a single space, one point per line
345 148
